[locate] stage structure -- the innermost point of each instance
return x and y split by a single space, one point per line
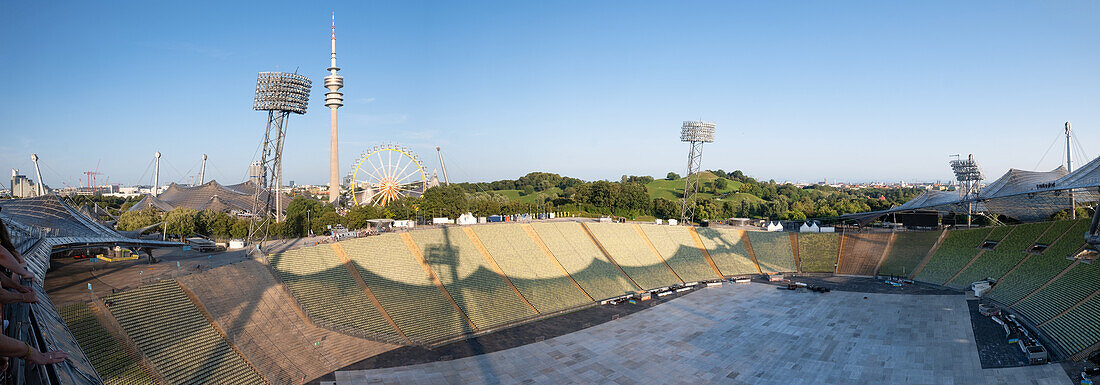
696 133
969 175
280 94
387 173
333 100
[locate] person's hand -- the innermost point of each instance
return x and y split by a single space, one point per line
28 297
40 358
23 272
19 286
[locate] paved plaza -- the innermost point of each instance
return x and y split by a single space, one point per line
747 334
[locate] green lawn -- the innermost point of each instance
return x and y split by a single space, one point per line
514 195
672 189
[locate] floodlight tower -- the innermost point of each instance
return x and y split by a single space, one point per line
696 133
278 93
969 175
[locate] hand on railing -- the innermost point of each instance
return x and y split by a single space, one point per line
53 357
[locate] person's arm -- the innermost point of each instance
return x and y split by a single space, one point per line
11 347
5 241
13 283
8 261
8 296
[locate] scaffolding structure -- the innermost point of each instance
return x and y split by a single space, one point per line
280 94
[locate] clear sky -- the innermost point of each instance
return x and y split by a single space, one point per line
801 91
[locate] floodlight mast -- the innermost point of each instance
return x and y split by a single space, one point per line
969 175
278 93
696 133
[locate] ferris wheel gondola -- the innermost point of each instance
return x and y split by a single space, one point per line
386 173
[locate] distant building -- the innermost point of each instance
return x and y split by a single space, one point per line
256 173
23 187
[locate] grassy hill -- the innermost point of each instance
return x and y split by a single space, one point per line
515 195
673 189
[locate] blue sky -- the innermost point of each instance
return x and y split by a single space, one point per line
801 91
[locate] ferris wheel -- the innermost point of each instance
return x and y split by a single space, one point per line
386 173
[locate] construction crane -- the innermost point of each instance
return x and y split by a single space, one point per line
91 176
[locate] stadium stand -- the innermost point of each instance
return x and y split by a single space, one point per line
183 346
329 295
259 318
583 260
1009 252
629 250
405 289
1081 280
957 249
908 250
115 364
1077 329
998 233
772 251
861 252
1038 269
728 251
680 252
537 276
476 287
818 252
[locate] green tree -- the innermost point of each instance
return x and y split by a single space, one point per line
133 220
448 201
182 222
665 209
672 176
357 216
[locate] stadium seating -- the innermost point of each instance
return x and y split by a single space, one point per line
1081 280
678 249
1038 269
957 249
535 274
908 251
475 285
818 252
328 293
772 251
258 317
631 253
182 345
862 252
1078 329
995 263
115 364
727 251
404 289
997 233
583 260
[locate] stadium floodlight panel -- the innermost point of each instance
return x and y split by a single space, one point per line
697 131
281 91
966 170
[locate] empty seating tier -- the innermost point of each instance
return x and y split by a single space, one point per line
583 259
1078 283
633 255
728 251
261 320
997 233
328 293
1078 329
1038 269
680 251
907 252
957 249
537 276
861 253
818 252
115 364
473 283
182 345
404 289
772 251
1008 252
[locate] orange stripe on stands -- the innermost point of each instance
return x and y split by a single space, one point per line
748 249
339 249
493 263
706 253
794 250
546 250
885 252
840 253
415 250
608 255
655 252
